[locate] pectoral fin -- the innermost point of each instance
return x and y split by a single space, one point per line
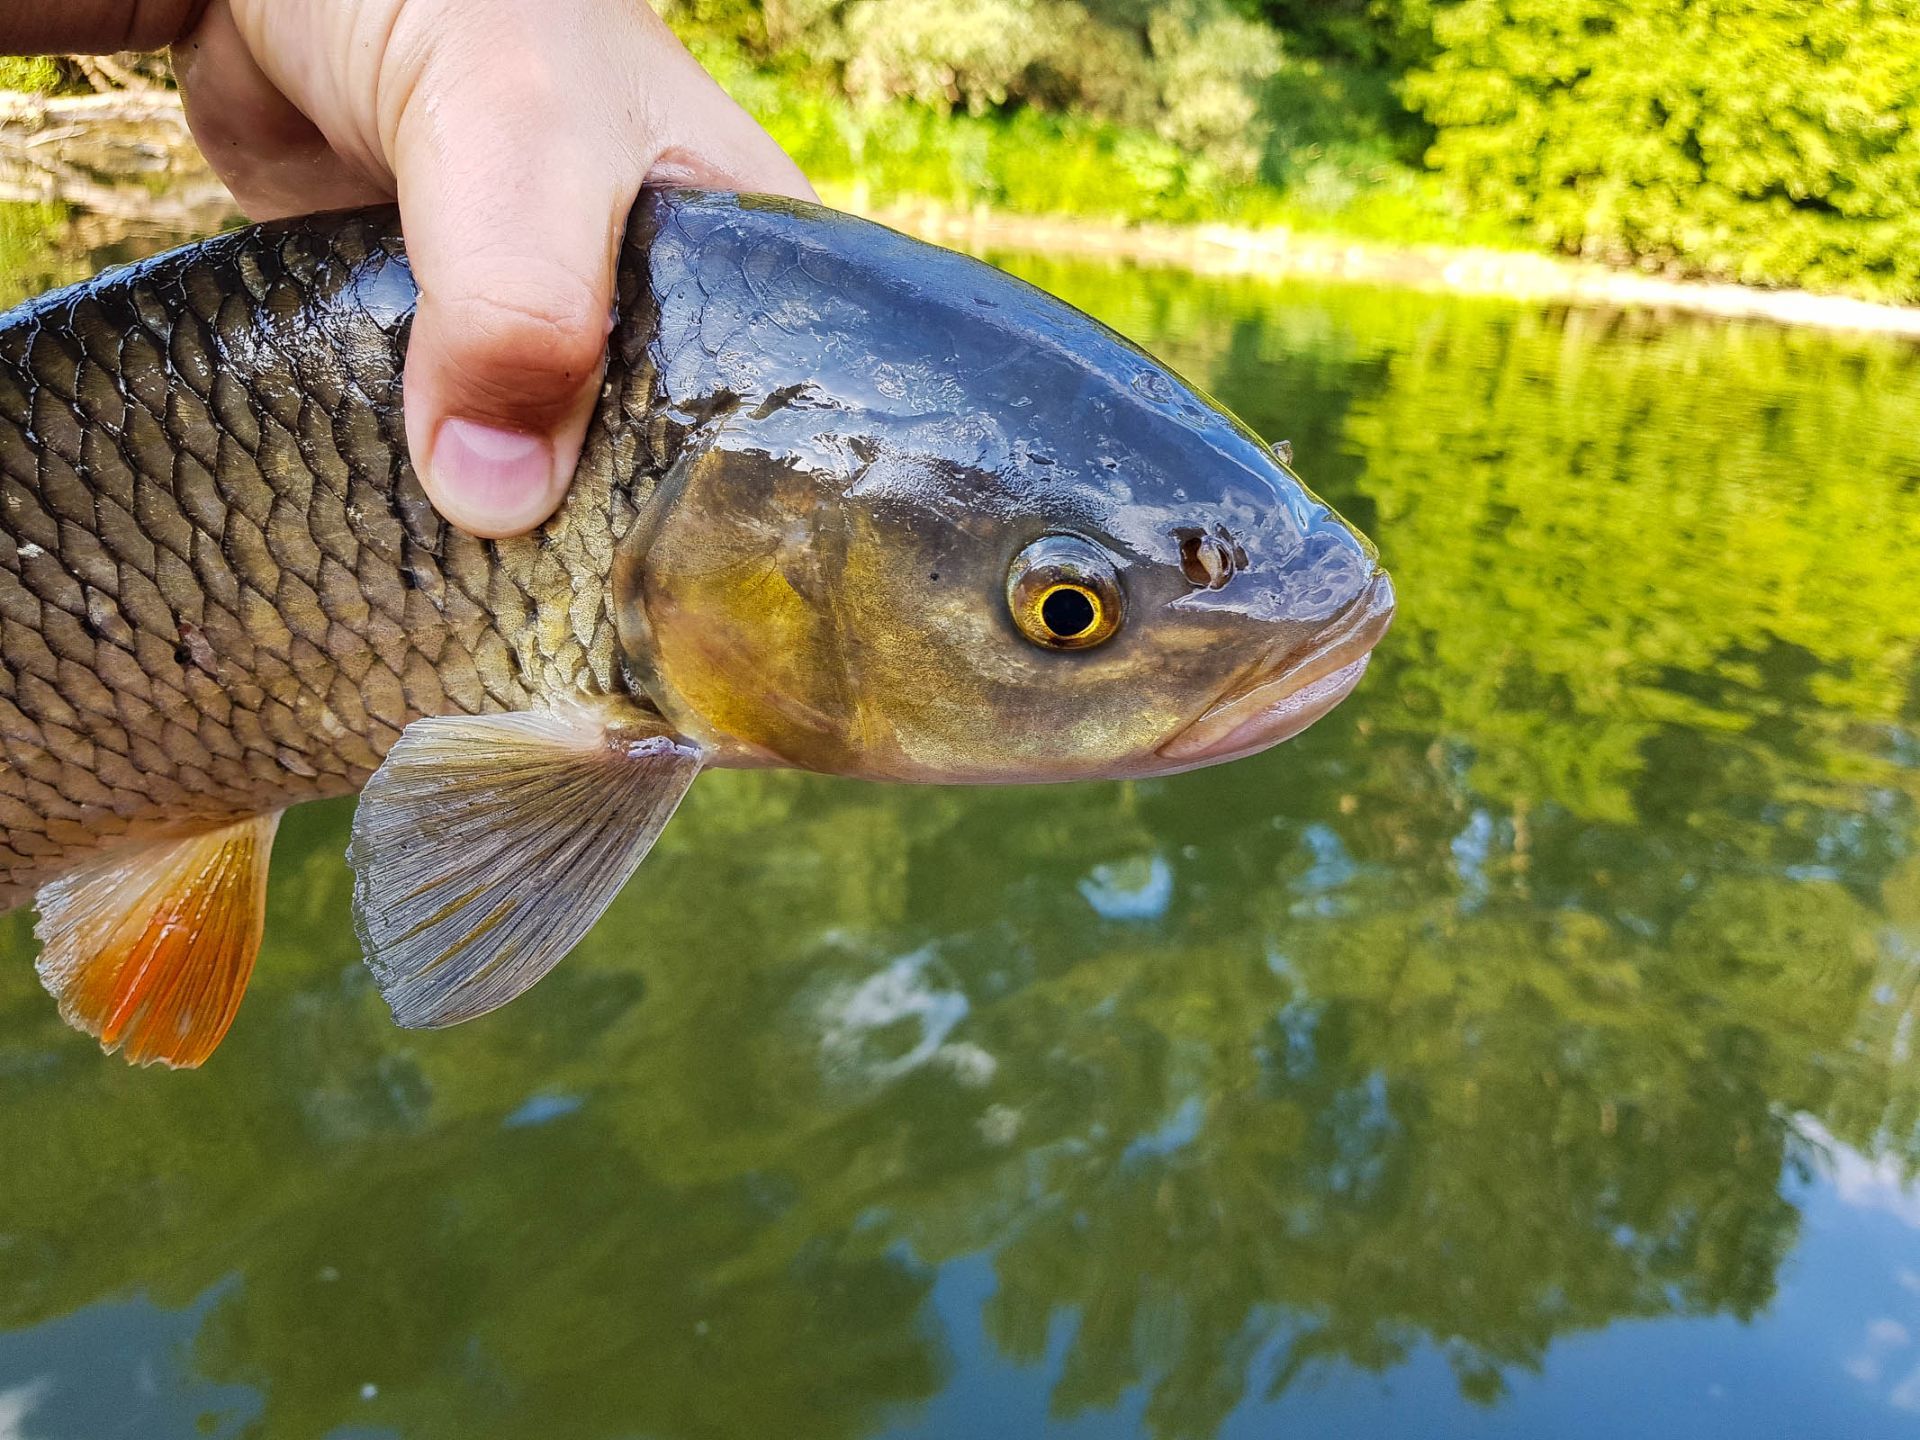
484 848
150 948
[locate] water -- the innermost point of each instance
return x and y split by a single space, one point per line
1526 1050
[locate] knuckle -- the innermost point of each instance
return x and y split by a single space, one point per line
535 340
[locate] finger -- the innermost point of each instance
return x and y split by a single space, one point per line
514 263
704 138
267 153
515 183
512 197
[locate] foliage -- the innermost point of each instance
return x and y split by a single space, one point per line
1771 143
30 73
1191 71
1386 33
26 264
1125 109
1038 161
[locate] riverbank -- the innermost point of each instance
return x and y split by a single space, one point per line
127 158
1279 253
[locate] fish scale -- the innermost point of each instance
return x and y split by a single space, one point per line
846 502
222 588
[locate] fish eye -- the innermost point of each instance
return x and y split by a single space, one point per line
1064 593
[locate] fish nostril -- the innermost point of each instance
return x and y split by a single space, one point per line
1209 561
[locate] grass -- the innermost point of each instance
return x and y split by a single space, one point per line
29 72
1334 165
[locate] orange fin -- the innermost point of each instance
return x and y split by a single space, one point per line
150 948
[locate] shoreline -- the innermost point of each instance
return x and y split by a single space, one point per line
1277 254
126 157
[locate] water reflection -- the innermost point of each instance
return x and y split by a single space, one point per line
1564 978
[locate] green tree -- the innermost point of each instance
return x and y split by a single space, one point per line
1769 143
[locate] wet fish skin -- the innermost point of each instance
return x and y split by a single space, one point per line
222 589
828 468
887 425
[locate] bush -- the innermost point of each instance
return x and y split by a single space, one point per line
1192 71
31 73
1768 141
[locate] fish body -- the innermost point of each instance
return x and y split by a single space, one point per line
848 503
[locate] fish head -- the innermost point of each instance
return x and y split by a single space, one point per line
1075 565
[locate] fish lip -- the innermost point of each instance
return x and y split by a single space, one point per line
1282 700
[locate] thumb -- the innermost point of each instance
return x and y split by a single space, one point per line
512 252
515 184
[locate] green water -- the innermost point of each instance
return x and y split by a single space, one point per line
1524 1051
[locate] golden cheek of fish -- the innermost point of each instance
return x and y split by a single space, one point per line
849 503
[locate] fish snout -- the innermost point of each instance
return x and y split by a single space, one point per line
1292 689
1337 567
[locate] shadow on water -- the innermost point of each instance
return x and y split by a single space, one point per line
1563 978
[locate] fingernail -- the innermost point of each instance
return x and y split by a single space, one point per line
489 480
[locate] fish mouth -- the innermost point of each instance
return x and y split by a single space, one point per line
1285 698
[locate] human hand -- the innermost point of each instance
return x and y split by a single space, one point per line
515 137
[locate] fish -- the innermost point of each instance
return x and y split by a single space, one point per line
849 503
